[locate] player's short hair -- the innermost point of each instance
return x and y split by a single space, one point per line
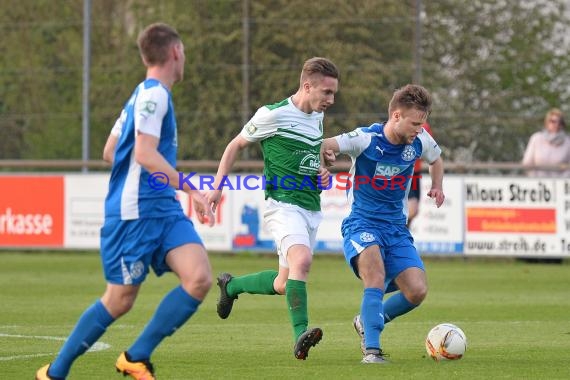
411 96
155 41
555 112
319 66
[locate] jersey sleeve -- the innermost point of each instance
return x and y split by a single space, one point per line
151 106
261 126
353 143
430 149
117 129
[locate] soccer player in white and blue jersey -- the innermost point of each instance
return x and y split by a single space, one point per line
145 227
377 244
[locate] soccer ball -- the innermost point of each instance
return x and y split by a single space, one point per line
446 342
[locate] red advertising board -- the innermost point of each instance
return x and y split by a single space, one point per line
31 211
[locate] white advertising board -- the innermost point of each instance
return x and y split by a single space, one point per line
516 216
440 230
84 209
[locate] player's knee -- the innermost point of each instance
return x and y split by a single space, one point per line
304 265
199 284
417 294
121 306
300 265
205 281
119 300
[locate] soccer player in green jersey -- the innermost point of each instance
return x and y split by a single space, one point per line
290 133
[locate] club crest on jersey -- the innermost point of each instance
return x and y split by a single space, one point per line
250 129
409 153
148 108
366 237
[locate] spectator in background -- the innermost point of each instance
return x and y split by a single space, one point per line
551 146
415 188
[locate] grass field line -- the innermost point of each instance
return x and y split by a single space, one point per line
44 337
98 346
16 357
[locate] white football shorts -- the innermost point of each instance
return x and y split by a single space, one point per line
289 225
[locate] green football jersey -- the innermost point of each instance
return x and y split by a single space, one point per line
291 143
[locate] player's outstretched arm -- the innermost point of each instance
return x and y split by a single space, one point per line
436 173
226 163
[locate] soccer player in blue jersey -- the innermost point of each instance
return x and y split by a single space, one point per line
144 227
377 244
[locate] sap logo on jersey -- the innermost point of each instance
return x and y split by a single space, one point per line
386 170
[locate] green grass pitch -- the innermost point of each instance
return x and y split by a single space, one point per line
516 317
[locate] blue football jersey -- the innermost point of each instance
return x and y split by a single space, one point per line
381 172
149 110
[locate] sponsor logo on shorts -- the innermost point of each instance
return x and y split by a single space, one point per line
366 237
137 269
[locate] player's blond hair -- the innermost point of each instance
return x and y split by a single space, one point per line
411 96
319 66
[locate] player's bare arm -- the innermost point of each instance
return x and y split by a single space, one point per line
148 156
226 163
109 149
436 174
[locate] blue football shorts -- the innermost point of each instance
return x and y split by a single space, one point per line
395 242
130 247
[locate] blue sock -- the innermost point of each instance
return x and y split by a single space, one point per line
174 310
371 313
91 325
396 306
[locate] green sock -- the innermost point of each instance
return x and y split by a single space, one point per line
255 283
296 294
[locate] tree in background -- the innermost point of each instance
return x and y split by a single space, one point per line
494 67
